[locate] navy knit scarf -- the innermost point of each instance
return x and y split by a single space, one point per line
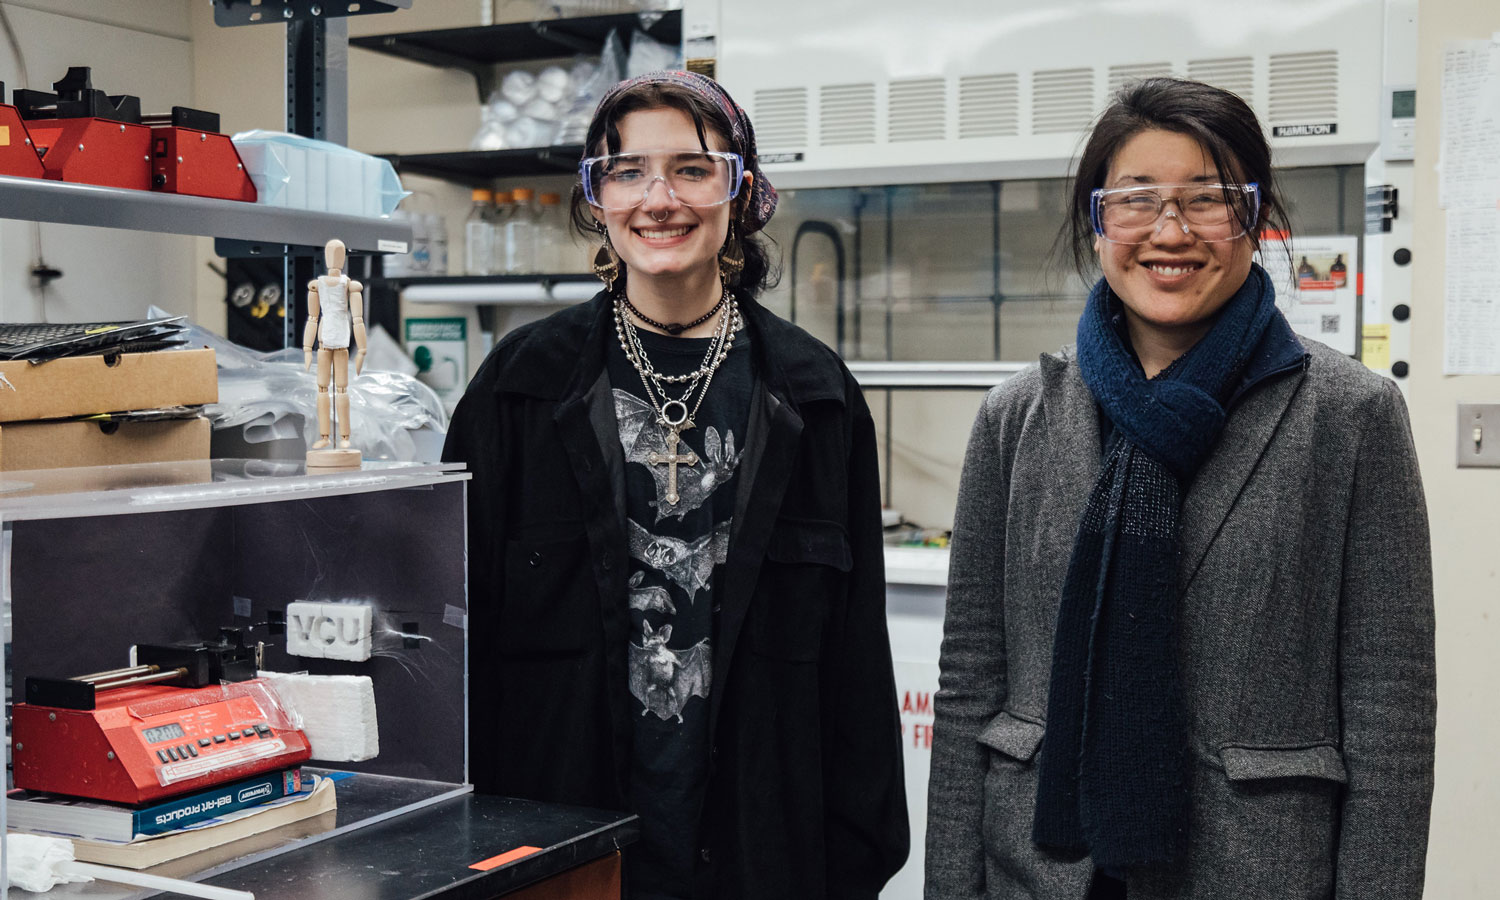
1113 779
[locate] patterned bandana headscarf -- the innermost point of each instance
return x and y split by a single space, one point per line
762 199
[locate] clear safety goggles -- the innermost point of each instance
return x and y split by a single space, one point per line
691 177
1209 212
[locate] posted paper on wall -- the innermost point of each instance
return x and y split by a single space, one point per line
1471 297
1469 189
1469 148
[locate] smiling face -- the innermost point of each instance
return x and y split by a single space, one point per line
663 238
1174 284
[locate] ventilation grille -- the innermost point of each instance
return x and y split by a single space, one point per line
1062 100
1305 87
1120 76
1236 74
988 106
917 111
847 114
781 118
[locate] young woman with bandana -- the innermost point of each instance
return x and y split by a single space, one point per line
1188 650
677 597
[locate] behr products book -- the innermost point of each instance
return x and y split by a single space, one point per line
96 820
258 820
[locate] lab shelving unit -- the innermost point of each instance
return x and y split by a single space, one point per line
480 50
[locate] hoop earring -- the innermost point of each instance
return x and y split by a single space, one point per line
606 262
731 258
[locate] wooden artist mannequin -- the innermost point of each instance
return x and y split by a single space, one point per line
335 313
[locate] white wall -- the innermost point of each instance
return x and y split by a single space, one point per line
139 47
1464 506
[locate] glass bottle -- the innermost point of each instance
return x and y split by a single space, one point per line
479 233
551 239
520 235
437 244
505 210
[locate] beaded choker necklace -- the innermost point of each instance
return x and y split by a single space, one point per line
674 328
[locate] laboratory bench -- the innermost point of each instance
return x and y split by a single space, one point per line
464 848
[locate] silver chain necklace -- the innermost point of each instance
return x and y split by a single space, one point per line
673 415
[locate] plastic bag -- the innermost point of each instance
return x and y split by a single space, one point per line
300 173
524 111
518 86
647 54
588 83
269 397
496 114
552 84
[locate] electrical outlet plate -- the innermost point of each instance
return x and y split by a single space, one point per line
1478 435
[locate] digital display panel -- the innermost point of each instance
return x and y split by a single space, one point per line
1403 104
162 733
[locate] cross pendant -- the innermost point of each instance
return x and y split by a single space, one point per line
672 459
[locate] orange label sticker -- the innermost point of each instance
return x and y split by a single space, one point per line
4 135
493 862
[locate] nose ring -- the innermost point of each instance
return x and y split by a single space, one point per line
663 216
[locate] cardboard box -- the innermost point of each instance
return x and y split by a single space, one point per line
47 445
88 385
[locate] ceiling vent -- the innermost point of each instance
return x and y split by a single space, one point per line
1235 74
989 106
1304 87
1062 101
847 114
781 118
918 110
1120 76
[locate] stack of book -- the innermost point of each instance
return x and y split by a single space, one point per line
138 837
102 393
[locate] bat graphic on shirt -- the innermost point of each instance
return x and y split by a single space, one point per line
689 565
641 436
664 679
650 597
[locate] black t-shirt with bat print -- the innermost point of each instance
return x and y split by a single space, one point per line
676 555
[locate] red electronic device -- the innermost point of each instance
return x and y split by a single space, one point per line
119 737
17 155
189 156
86 137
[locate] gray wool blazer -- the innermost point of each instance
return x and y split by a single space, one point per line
1306 644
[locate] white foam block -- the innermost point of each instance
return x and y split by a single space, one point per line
329 630
337 713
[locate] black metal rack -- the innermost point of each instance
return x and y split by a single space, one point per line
479 167
477 50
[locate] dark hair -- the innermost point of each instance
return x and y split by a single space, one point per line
1224 124
604 138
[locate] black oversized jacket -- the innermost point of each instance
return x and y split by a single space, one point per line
805 796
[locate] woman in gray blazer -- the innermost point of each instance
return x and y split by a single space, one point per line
1189 642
